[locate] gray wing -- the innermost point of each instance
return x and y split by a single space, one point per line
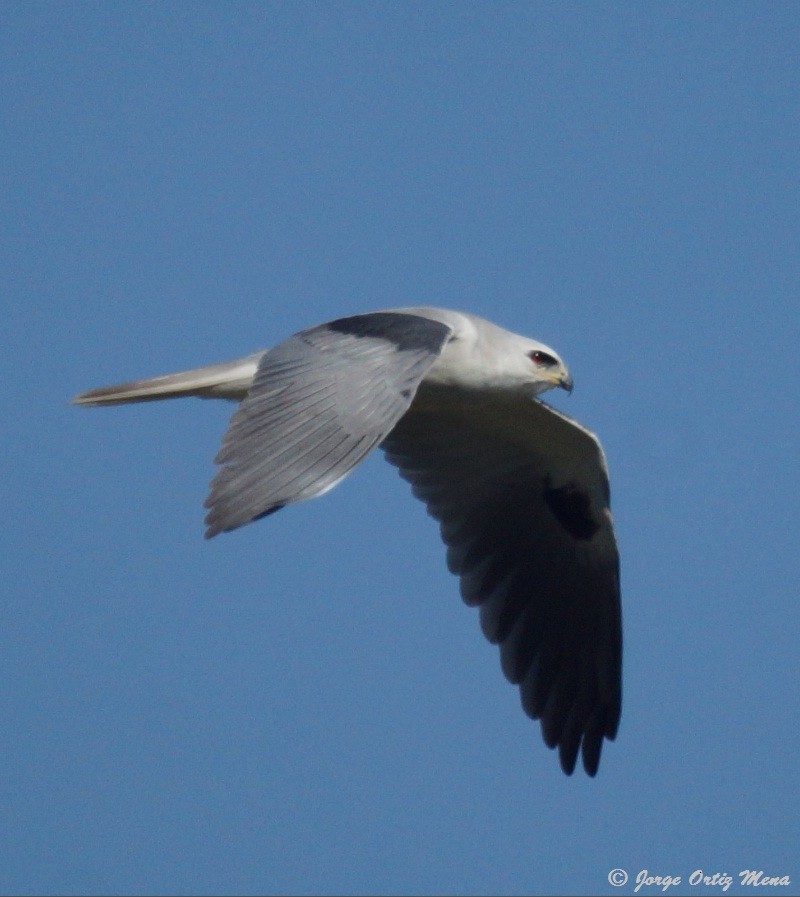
521 493
320 401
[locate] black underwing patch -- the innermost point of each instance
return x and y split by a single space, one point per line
572 508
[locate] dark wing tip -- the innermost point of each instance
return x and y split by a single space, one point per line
216 520
568 756
592 748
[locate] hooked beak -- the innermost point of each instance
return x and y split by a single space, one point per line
565 381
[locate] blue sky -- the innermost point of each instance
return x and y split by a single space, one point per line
306 705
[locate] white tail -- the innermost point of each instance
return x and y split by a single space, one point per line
229 380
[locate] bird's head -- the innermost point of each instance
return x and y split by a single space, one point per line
479 354
546 369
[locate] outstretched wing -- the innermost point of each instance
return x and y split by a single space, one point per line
319 403
521 493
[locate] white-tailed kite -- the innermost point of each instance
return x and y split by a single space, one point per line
520 491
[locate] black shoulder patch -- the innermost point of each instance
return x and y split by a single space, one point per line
572 508
407 332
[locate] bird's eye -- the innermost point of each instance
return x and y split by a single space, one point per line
542 359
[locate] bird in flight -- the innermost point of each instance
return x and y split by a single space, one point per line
520 490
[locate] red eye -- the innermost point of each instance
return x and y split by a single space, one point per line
542 359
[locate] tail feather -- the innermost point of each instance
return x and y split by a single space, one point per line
229 380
